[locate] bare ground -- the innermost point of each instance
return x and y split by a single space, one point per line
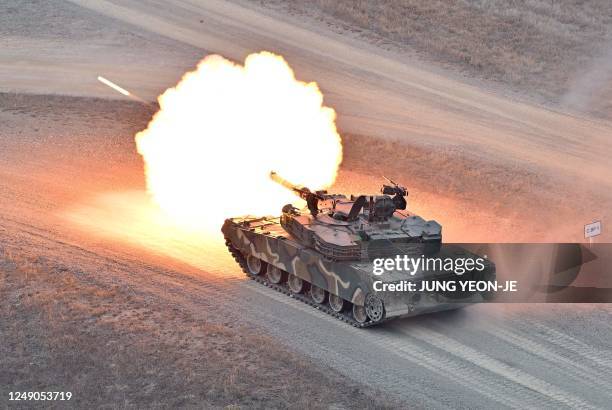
111 347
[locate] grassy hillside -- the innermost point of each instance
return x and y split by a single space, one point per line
543 47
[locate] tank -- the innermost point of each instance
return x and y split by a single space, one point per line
325 255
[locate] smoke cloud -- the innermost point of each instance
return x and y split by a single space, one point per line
219 132
589 85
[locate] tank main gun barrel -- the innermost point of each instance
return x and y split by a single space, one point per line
311 198
300 191
281 181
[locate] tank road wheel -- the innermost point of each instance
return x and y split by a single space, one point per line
255 265
318 294
375 308
296 284
336 303
359 313
275 275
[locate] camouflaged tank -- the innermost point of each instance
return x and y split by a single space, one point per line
324 254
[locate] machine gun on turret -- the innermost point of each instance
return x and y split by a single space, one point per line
398 192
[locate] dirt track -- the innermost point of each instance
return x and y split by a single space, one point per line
481 357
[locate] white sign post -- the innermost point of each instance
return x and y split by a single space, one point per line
591 230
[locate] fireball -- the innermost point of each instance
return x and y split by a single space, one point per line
209 150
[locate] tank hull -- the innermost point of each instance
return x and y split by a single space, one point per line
352 281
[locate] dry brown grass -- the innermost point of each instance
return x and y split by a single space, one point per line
470 194
435 171
538 46
111 348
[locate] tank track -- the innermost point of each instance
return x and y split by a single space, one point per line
344 316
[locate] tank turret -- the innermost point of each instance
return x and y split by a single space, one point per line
361 227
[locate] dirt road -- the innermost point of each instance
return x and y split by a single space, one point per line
72 191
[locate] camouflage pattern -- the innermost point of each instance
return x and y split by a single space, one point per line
265 239
334 242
